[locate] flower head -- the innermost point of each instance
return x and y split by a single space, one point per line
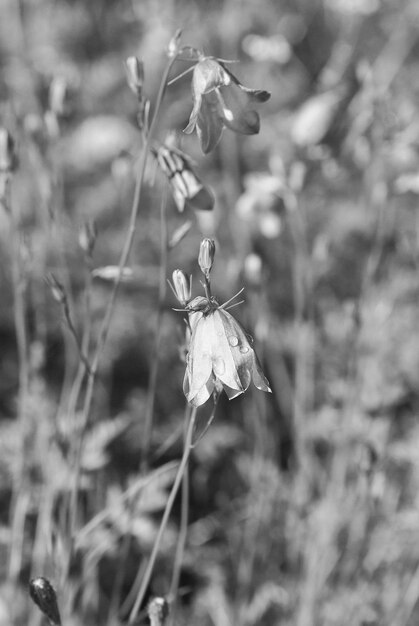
186 187
220 100
220 353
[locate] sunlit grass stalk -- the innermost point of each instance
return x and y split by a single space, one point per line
188 447
151 392
105 325
84 346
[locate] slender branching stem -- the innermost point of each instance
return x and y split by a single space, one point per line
105 325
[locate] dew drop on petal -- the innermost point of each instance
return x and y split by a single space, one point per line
228 115
233 341
244 349
219 366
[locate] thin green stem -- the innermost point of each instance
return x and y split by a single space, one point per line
178 480
105 325
183 530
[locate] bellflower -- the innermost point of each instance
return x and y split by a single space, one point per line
186 187
219 100
220 354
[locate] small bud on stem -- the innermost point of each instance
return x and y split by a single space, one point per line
181 287
135 75
206 256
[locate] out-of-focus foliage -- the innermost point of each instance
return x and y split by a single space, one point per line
304 505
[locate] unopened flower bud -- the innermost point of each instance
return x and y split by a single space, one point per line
57 289
135 75
7 151
87 237
181 287
43 594
173 47
206 255
158 610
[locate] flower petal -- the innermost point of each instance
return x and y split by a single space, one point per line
193 116
259 379
237 110
232 393
199 364
210 123
204 393
224 365
241 350
208 75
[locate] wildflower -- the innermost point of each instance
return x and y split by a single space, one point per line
186 187
43 594
220 354
219 100
206 256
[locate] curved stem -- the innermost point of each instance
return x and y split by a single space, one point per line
105 325
179 476
180 548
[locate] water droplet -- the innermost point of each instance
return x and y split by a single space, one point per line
244 349
219 366
233 341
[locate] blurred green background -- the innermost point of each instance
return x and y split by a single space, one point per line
304 504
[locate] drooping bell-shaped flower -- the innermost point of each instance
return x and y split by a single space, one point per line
187 188
219 100
220 353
